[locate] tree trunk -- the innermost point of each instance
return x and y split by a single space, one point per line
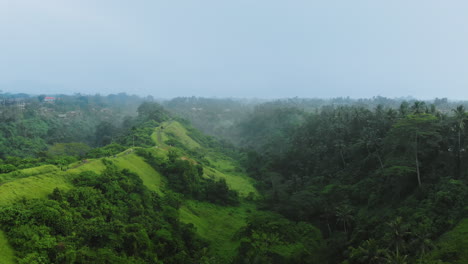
417 161
377 154
342 158
459 155
380 160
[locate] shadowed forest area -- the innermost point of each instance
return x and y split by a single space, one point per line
126 179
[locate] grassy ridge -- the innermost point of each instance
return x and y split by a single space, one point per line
177 130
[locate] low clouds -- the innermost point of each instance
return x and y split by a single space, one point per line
236 48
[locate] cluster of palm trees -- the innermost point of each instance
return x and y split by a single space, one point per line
398 238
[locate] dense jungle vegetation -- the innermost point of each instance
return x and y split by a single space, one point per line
124 179
383 179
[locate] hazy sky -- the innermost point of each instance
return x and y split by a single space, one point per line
240 48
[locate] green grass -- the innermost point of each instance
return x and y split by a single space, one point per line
28 172
38 186
221 163
150 177
6 252
179 131
238 182
217 224
452 247
91 165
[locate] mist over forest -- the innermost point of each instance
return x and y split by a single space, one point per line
233 132
120 178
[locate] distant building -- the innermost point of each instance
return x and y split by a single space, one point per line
49 99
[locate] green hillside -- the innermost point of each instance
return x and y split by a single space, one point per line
214 223
216 165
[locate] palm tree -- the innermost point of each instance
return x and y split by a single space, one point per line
370 139
423 243
369 252
393 258
398 232
339 144
419 107
404 109
344 215
460 117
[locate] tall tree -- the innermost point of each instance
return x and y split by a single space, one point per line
460 118
344 215
419 107
398 233
415 129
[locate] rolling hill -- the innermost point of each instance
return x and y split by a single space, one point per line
214 223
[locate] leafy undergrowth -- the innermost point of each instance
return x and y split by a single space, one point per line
6 252
452 247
